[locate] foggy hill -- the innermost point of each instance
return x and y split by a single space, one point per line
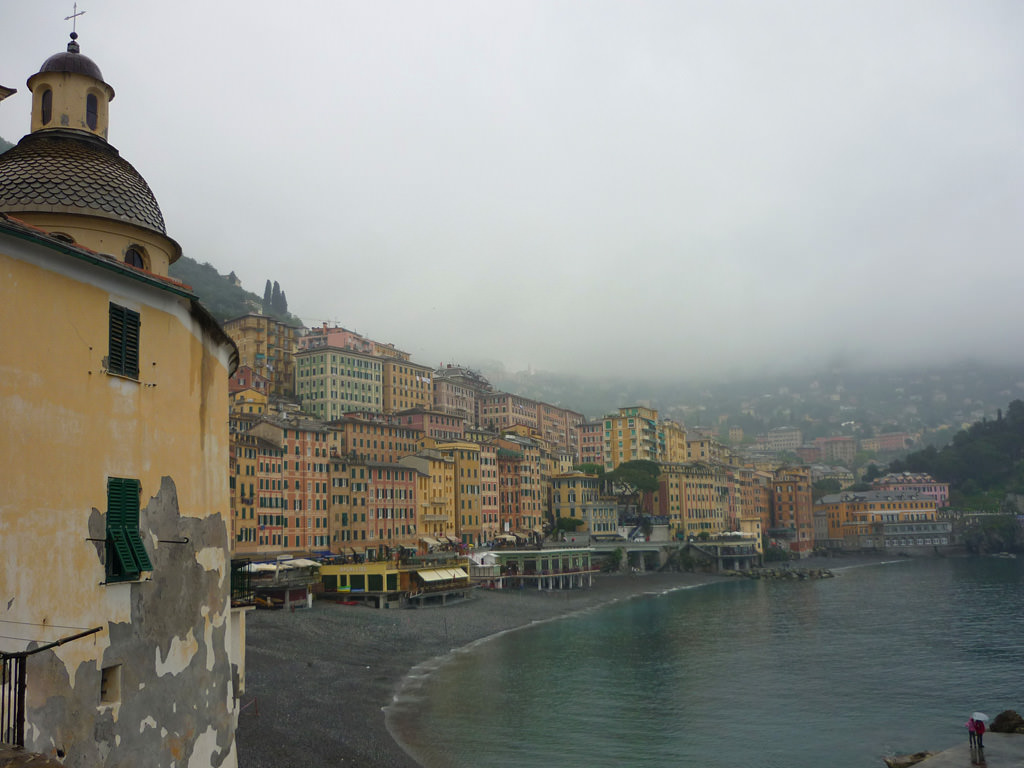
220 294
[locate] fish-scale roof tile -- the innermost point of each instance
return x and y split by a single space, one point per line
79 173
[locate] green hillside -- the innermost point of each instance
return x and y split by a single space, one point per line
983 464
219 293
4 145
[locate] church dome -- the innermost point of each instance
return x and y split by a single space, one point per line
68 172
74 62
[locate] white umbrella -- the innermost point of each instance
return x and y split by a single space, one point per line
980 716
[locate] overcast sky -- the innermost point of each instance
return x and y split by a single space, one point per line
667 188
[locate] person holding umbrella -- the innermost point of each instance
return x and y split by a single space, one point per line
979 728
972 734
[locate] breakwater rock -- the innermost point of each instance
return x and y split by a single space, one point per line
783 574
902 761
1008 722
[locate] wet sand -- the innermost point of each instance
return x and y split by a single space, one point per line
317 679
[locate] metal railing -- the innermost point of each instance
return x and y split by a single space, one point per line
13 684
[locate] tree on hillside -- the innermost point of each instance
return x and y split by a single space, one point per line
267 295
984 461
825 487
222 295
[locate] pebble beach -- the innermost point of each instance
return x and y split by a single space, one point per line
318 679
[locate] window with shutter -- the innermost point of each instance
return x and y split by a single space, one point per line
126 554
123 358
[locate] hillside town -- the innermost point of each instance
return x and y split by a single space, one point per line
205 469
343 446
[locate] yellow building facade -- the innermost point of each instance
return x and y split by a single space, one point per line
633 435
405 385
117 372
268 347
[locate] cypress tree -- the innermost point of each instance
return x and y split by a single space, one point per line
266 299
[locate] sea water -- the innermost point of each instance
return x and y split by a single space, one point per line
883 659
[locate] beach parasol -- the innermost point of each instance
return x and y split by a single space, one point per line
980 716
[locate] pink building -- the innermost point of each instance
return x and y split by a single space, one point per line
457 390
436 424
560 428
921 484
592 442
499 410
342 338
246 378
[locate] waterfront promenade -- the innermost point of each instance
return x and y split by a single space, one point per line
320 678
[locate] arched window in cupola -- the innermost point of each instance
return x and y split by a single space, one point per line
47 106
91 110
133 256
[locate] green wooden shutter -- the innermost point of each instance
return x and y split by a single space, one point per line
121 565
115 358
131 525
125 543
123 358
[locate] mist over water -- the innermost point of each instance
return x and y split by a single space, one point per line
880 660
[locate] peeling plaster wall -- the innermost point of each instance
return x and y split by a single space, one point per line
70 426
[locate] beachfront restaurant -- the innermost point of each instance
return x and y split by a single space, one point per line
388 584
285 583
532 568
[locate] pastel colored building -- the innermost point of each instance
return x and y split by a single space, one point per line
266 346
468 502
837 450
342 338
502 410
246 378
374 437
591 442
884 520
301 485
406 385
675 442
559 428
577 496
435 496
457 390
433 423
490 524
114 513
331 381
632 435
793 510
523 457
889 442
920 483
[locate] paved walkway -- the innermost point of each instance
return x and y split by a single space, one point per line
1001 751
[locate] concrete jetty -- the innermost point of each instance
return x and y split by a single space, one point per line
1002 750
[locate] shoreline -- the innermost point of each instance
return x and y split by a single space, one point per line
319 680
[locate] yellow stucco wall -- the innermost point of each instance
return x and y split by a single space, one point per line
69 426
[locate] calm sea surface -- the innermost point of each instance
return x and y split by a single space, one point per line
879 660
